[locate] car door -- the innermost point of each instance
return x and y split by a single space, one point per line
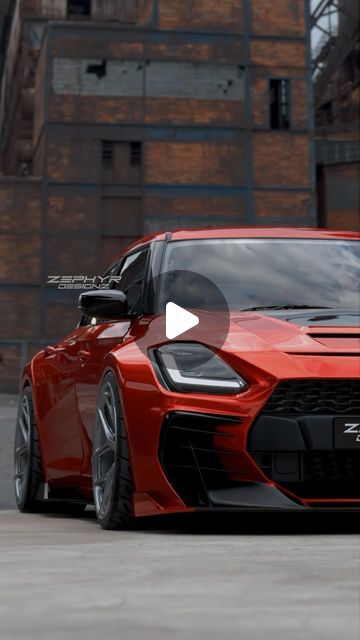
100 337
62 445
62 437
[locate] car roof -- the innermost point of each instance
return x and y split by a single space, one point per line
241 232
260 232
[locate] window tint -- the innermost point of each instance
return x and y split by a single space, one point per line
132 277
264 272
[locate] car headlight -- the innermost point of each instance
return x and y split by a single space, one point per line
191 367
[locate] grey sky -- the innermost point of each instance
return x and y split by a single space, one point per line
317 34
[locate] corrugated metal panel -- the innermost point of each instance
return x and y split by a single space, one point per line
121 10
162 79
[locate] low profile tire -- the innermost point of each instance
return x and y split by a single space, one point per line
29 473
27 458
112 480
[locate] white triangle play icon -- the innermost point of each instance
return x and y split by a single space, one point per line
178 320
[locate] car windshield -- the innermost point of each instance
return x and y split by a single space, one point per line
265 273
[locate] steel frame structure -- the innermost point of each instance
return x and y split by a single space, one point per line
334 46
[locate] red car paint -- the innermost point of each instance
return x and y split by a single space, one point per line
65 382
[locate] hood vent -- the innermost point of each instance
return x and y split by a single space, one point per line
338 340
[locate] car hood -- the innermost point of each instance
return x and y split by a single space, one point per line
275 344
301 331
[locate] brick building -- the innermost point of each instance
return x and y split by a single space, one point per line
119 117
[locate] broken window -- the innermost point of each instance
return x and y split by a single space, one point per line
280 104
99 69
79 7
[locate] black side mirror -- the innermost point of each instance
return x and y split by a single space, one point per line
103 303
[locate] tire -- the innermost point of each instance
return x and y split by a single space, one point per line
112 478
29 472
27 457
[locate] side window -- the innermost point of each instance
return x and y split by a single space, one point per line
107 282
132 276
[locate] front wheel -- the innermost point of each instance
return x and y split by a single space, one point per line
112 481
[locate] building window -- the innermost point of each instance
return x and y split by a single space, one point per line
121 162
136 154
107 153
279 104
79 7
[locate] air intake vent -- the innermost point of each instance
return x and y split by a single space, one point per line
325 397
195 456
318 474
338 340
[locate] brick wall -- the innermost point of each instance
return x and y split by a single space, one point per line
20 248
192 86
289 166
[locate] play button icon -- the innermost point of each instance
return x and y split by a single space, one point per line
178 320
185 307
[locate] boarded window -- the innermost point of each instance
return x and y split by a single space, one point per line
119 10
280 104
121 162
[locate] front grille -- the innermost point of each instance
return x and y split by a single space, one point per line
323 397
292 440
195 457
316 474
331 466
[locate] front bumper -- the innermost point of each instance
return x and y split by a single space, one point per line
288 461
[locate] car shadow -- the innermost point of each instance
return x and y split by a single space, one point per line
259 524
243 523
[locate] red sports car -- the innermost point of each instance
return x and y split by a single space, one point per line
217 369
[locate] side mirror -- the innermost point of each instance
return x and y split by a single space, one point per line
103 303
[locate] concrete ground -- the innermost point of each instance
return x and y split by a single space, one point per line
257 576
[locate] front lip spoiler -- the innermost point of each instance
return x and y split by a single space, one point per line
253 495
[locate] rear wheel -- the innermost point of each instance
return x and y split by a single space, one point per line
29 473
112 483
28 467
